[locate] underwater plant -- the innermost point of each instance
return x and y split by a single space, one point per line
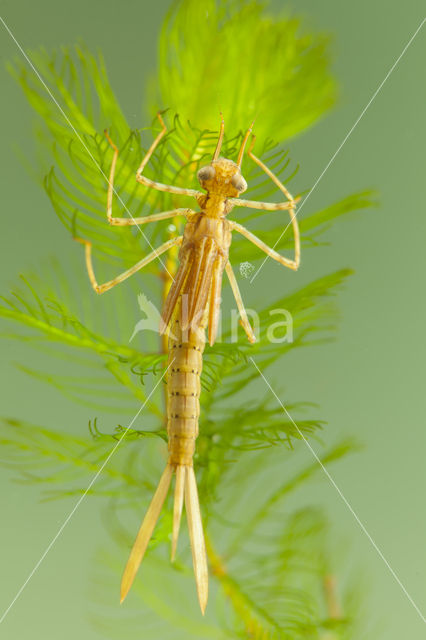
272 566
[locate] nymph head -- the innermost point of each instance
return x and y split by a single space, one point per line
223 176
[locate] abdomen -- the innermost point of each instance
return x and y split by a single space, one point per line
183 389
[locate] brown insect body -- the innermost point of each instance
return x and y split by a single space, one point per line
185 364
183 391
203 256
193 302
192 305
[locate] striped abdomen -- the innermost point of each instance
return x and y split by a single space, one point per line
192 303
183 389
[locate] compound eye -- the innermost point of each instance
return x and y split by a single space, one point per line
238 182
206 173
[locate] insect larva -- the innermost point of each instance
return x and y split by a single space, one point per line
193 304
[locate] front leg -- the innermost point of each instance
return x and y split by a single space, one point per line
126 222
272 206
159 185
264 206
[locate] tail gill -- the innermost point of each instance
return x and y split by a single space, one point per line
185 488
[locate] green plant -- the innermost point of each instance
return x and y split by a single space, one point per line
270 561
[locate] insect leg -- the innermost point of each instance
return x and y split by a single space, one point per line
273 177
101 288
264 206
237 295
155 217
174 293
124 222
159 185
214 303
274 206
286 262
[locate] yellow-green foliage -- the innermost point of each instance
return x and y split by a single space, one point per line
269 560
238 58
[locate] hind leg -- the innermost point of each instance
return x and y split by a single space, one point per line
237 295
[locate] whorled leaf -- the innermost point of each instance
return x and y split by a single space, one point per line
214 55
236 58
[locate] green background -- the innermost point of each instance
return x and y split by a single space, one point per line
369 383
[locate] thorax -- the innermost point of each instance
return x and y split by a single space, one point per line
203 225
